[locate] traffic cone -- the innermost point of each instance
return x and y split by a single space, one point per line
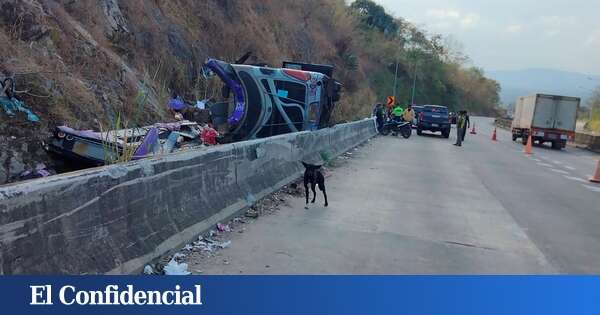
529 146
494 135
473 132
596 177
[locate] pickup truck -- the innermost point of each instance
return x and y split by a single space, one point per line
434 118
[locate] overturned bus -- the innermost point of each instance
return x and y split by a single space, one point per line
258 102
265 101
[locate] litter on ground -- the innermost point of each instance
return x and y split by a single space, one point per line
173 268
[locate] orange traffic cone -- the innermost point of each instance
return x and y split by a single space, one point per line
529 146
494 135
596 177
473 132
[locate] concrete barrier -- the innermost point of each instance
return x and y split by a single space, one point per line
588 141
114 219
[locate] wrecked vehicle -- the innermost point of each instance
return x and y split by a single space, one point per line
272 101
258 102
88 148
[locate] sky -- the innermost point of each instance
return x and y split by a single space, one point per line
513 34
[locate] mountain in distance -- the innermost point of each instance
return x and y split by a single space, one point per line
517 83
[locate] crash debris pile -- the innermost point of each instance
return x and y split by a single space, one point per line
39 171
90 148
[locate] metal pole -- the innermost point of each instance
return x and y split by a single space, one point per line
412 101
395 78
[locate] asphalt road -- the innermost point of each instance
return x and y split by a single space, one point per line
424 206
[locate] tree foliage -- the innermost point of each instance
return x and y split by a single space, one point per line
437 64
374 15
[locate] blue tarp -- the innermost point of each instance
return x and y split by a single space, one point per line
13 105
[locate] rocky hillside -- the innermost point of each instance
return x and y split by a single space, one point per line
83 63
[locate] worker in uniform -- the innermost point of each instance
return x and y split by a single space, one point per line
461 128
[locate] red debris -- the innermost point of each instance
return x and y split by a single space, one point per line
209 136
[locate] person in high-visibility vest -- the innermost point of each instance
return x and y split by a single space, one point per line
397 113
461 127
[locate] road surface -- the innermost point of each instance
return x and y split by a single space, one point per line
424 206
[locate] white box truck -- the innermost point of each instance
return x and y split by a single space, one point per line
547 118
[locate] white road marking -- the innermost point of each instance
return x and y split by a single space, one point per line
537 160
592 188
543 157
577 179
557 162
559 171
571 168
544 164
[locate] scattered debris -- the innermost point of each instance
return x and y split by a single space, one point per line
10 104
251 214
209 136
173 268
224 244
178 256
40 171
223 227
148 270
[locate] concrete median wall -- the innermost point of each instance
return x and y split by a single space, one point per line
588 141
114 219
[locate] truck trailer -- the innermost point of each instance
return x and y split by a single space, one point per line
547 118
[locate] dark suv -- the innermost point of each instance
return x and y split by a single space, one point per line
434 118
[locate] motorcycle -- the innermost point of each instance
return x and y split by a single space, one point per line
397 127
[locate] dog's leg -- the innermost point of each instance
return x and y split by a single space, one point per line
312 186
322 187
306 192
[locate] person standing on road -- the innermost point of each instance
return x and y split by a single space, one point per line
379 113
408 114
467 124
461 124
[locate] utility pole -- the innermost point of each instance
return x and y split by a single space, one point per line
412 101
395 78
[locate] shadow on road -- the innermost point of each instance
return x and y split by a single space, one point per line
548 147
432 135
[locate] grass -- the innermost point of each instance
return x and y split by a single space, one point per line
594 125
113 152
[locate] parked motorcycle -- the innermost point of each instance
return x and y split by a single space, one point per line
403 128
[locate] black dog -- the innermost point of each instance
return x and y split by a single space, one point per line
313 176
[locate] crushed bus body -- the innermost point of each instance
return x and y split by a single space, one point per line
272 101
